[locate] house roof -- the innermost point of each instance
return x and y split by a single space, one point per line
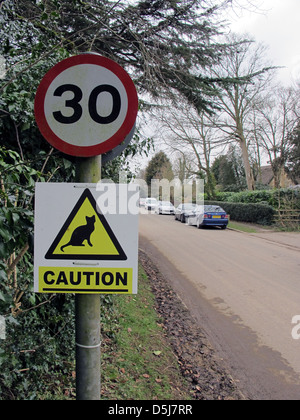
266 176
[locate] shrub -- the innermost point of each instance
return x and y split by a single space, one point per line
284 197
248 212
37 356
263 196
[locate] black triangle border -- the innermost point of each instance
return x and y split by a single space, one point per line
86 194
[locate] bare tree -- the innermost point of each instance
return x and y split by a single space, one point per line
275 118
189 134
245 64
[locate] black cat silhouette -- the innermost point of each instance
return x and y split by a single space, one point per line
82 233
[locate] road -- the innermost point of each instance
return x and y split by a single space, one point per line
244 290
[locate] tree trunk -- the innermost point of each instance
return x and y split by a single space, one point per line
248 170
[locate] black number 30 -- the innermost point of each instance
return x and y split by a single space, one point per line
74 103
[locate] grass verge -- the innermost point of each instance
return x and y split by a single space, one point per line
137 361
242 227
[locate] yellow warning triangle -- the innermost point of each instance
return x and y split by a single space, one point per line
86 235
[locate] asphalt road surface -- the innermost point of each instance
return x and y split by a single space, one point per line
244 291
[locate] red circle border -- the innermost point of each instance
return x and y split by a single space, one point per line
113 141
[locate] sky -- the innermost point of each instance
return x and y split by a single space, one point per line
277 25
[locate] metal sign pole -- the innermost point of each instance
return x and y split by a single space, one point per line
67 131
87 313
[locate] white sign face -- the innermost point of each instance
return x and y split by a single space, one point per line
86 105
86 238
93 107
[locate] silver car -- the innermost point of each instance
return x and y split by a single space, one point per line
183 211
165 207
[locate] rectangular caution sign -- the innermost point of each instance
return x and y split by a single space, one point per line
86 238
85 280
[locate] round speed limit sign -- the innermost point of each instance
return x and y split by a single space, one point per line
86 105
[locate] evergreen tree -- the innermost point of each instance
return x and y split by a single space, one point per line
166 45
159 167
294 155
229 171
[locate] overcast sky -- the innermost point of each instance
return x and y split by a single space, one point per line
278 26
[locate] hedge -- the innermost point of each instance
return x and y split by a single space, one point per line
284 197
262 214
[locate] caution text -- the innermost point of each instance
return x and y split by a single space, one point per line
85 280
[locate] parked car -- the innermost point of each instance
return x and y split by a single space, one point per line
165 207
183 211
208 215
150 203
142 202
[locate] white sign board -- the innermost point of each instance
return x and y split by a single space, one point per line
86 238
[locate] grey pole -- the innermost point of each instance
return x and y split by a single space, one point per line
87 313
